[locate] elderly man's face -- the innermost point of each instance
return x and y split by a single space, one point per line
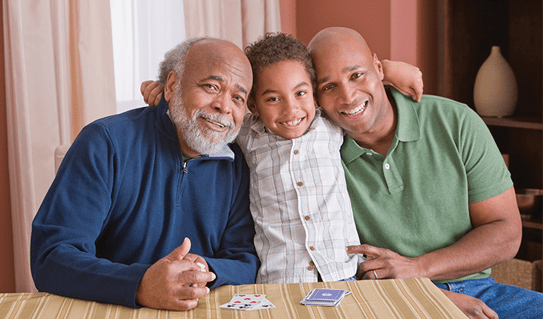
208 104
349 83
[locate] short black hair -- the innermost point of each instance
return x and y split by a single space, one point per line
276 47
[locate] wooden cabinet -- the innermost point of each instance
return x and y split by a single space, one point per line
522 139
467 30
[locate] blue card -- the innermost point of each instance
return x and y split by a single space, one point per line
326 295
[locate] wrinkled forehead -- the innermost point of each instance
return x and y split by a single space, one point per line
212 57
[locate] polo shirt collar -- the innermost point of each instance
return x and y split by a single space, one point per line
408 128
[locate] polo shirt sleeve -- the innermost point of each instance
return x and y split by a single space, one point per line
486 171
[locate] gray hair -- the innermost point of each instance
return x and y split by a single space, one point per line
174 60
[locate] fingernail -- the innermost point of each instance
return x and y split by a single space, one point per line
214 276
207 288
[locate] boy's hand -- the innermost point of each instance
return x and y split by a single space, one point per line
404 77
152 92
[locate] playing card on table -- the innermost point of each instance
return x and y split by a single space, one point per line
324 297
248 302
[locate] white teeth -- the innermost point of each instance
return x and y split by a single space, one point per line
292 123
356 110
216 123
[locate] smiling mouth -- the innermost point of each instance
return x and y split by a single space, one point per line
293 122
357 110
216 123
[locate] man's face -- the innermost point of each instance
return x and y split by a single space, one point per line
284 98
208 104
349 86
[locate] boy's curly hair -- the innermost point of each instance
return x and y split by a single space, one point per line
277 47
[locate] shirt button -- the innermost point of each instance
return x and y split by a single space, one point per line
307 218
296 152
369 153
311 265
387 166
300 184
312 248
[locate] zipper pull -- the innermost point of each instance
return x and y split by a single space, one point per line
185 170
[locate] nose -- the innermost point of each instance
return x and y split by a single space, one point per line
222 104
291 105
345 94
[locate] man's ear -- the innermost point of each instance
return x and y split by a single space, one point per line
378 66
251 105
171 84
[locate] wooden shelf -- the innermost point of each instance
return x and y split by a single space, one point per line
532 224
525 122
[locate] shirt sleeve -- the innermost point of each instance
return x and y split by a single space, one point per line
486 171
69 222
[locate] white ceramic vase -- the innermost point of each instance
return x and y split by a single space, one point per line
495 91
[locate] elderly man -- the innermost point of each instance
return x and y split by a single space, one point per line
137 191
431 194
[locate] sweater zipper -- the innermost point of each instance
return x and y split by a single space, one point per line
185 168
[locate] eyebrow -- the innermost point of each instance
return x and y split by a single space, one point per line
221 79
303 83
344 70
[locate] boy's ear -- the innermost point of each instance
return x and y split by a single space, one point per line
251 105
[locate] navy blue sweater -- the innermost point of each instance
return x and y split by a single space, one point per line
121 200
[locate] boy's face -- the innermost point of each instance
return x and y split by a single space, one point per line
284 98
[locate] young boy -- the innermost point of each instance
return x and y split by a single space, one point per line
299 200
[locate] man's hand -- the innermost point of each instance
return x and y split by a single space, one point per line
383 263
470 306
200 262
404 77
167 283
152 92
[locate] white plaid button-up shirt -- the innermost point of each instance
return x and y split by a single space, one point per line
299 202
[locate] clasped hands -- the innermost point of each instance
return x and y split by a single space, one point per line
176 281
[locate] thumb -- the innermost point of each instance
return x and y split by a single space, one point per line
180 252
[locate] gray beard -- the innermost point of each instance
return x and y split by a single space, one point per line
200 140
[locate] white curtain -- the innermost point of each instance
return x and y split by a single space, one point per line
59 77
240 21
143 31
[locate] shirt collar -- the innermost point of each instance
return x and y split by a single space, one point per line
407 130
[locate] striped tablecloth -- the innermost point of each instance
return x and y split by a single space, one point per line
398 298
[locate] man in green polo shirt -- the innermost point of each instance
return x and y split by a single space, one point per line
431 194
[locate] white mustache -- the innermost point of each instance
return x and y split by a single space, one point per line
217 118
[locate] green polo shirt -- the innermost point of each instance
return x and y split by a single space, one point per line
415 199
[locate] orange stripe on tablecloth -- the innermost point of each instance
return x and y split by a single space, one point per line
355 290
441 302
391 300
412 301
